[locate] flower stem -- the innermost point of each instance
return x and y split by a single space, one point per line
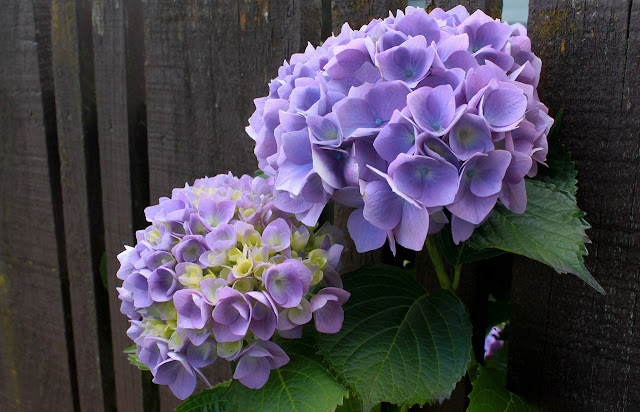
404 408
438 264
456 278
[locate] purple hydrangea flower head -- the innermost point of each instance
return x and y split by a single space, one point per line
222 268
445 92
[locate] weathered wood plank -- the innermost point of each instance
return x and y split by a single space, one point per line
206 62
118 38
572 348
35 371
72 59
359 12
492 7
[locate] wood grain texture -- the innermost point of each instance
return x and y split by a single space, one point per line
72 60
574 349
491 7
35 371
206 62
118 37
360 12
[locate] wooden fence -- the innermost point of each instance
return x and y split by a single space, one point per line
105 105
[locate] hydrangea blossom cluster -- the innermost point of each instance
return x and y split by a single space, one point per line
403 119
218 272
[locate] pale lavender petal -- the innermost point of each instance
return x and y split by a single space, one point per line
214 213
277 235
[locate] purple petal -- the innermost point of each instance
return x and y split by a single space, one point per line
214 213
277 235
222 238
461 230
503 108
382 207
355 114
365 235
176 373
433 109
414 225
470 135
429 181
162 284
252 372
203 354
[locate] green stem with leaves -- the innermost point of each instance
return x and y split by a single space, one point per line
438 264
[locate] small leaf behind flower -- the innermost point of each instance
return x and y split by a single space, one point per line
490 394
133 359
551 231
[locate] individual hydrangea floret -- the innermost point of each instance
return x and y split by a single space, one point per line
415 121
219 272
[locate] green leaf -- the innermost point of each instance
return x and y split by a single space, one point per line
551 231
398 343
350 404
490 394
461 254
303 384
133 359
209 400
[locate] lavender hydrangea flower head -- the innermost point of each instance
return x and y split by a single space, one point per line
220 271
414 120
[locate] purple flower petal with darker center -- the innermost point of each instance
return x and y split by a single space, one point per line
330 164
325 130
470 135
287 282
408 62
429 181
434 110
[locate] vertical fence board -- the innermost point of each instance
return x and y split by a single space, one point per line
206 62
119 71
72 51
492 7
35 370
358 12
572 348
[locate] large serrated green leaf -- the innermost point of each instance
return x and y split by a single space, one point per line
551 231
398 343
490 394
462 254
303 384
